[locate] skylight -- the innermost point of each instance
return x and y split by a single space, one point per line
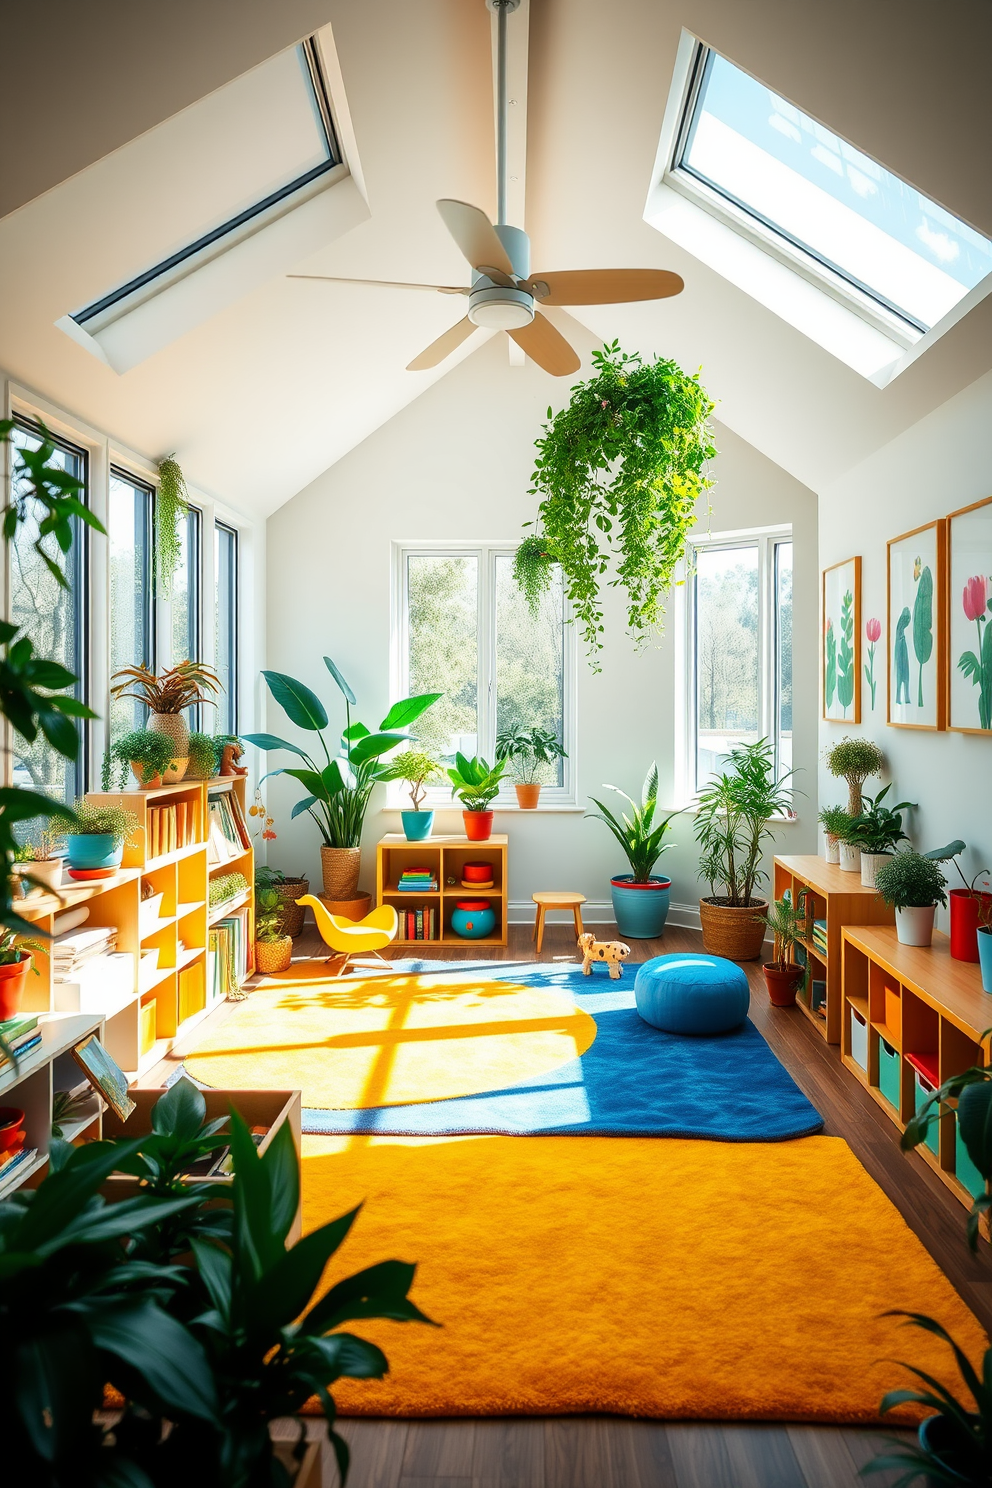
844 212
234 155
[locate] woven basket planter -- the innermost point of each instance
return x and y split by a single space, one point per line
340 867
175 727
273 955
733 931
291 915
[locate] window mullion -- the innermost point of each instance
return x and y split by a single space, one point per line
487 654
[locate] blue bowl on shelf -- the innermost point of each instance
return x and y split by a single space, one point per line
473 919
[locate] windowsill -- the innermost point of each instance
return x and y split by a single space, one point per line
560 808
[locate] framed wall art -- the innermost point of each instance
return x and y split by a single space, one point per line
840 661
969 605
916 662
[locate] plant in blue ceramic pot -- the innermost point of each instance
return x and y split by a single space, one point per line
97 836
640 898
416 769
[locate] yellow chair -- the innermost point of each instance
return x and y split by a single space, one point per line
347 938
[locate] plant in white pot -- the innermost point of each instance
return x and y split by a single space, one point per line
416 768
532 752
640 897
913 885
183 686
834 821
875 832
41 863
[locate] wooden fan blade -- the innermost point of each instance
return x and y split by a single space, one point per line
603 286
442 347
385 283
546 346
474 234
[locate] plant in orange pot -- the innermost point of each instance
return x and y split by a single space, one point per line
785 974
532 753
15 963
476 783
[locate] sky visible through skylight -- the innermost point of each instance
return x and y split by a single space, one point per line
804 180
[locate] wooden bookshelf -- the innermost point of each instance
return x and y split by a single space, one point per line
32 1085
921 1002
840 898
446 857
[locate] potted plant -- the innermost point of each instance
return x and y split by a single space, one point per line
203 762
338 791
785 975
913 885
96 836
151 757
273 947
732 817
970 906
183 686
640 898
289 888
476 783
15 963
875 832
854 760
531 752
834 820
417 769
42 862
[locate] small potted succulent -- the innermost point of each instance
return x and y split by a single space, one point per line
183 686
151 757
532 753
834 821
640 898
417 769
875 832
786 975
476 784
203 763
95 839
913 885
15 963
41 863
854 760
273 947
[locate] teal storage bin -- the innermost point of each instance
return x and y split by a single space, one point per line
964 1168
888 1072
924 1090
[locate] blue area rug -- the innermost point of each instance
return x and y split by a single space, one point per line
634 1080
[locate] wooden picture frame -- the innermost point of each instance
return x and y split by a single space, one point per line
969 583
840 642
916 660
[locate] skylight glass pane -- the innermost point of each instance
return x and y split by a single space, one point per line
824 195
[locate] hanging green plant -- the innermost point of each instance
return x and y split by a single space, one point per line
171 505
618 472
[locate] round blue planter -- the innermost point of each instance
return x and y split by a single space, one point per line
417 824
94 850
640 910
985 957
473 919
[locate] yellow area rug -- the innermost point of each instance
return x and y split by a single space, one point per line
395 1039
642 1277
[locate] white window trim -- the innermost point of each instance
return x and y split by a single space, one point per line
553 797
765 540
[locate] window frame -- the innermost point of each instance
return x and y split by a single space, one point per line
766 540
234 618
438 797
119 471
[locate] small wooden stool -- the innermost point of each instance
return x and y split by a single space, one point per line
554 899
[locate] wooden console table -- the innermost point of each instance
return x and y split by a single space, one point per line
445 857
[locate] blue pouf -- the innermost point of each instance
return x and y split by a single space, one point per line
692 993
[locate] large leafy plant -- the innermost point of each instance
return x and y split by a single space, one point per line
339 788
531 751
618 472
732 818
475 782
641 838
877 827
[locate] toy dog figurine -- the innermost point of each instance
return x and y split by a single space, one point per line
613 952
230 754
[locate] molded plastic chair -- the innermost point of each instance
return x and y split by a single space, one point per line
347 938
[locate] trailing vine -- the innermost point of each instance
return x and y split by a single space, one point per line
618 472
171 504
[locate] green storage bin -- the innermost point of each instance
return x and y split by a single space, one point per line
889 1064
964 1168
924 1090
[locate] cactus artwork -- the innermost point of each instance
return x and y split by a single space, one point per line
915 619
845 657
830 676
841 641
923 621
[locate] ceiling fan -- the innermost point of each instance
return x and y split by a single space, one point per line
504 295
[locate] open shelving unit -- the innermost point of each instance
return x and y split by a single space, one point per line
446 857
32 1085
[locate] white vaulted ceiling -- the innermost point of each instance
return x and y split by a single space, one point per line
262 396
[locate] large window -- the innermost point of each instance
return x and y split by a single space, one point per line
467 632
132 600
54 619
186 590
795 182
226 627
740 635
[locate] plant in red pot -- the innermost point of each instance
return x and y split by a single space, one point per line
15 963
785 974
971 906
476 784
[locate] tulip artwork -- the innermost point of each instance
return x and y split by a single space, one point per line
969 644
873 633
977 664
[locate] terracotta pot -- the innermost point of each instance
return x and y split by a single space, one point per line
340 867
12 980
273 955
174 772
478 825
528 796
292 914
734 931
175 727
782 985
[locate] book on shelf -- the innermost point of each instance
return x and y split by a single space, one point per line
420 924
13 1162
173 826
228 836
228 944
21 1035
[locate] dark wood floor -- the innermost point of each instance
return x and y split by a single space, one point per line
613 1452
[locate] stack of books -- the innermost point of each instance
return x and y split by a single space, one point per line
14 1160
417 881
21 1034
229 960
72 951
820 935
419 924
172 827
227 831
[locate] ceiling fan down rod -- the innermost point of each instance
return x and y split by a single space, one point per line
502 9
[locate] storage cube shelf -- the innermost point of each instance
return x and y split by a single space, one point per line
446 858
31 1087
166 932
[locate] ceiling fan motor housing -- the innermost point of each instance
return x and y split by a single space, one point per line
499 306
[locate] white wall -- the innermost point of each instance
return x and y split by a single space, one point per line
457 464
943 463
